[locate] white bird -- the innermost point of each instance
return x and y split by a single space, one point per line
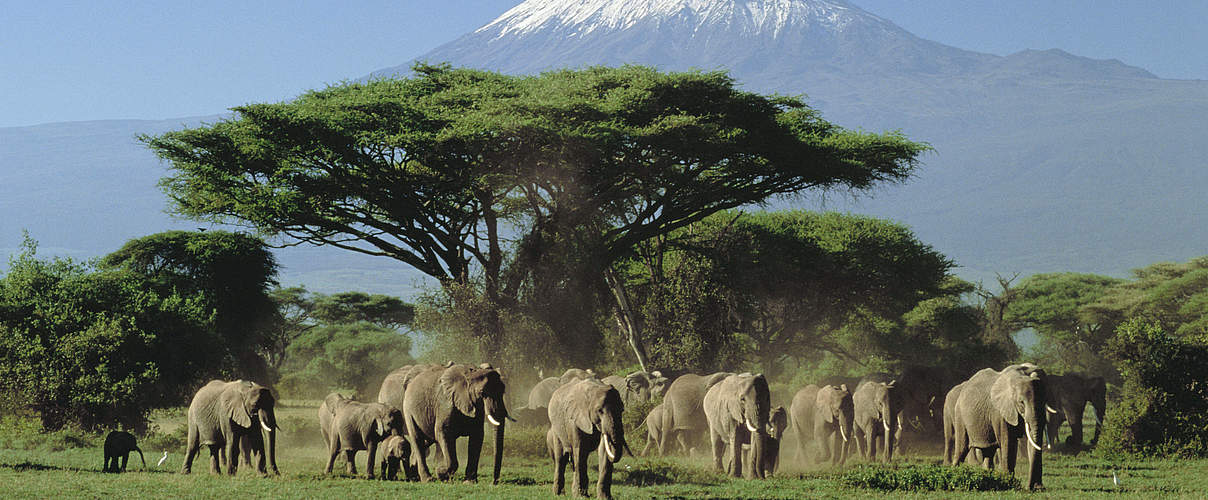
1115 480
162 460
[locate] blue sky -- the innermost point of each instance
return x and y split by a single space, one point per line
97 59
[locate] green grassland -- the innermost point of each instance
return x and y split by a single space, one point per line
66 465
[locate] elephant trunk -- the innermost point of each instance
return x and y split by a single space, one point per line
498 453
269 422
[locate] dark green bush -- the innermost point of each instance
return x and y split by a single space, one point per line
1163 405
656 472
928 478
634 416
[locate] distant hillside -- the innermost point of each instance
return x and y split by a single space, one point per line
1044 160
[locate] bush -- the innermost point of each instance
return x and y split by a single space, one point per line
656 472
1163 406
633 418
928 478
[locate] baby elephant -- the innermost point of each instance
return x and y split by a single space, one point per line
119 444
396 451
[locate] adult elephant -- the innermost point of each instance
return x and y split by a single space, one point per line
1067 398
639 386
876 411
349 426
222 414
573 374
443 404
995 409
778 421
737 409
823 415
684 412
539 395
585 415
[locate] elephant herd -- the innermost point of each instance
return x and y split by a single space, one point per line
427 407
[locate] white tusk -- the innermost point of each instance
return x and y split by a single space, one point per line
492 420
1050 409
841 433
1027 430
608 449
751 427
266 429
886 424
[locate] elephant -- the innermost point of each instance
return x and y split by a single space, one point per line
778 421
994 409
921 390
737 410
350 426
442 404
639 386
1067 397
950 424
396 452
119 444
530 417
539 395
585 415
573 374
824 415
876 411
222 414
683 411
653 423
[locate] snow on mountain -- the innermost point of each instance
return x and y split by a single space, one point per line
750 16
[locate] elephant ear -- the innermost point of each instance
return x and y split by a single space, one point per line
1002 398
585 408
232 403
456 387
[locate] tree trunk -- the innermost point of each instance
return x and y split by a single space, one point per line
626 318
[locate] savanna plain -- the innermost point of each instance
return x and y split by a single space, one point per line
66 464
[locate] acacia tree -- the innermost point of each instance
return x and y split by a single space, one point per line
424 169
797 283
1072 337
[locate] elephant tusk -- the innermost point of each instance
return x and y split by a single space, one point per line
841 433
492 420
751 427
886 424
612 456
1027 430
1050 409
266 429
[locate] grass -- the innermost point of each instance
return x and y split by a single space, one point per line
67 464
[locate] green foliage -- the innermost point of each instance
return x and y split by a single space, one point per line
347 356
229 274
1163 406
659 472
634 419
353 307
586 164
1056 306
98 348
928 478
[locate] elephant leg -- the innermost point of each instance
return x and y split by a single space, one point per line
871 436
193 444
718 448
371 450
473 450
822 438
1074 416
561 458
604 481
580 463
230 453
124 457
333 449
448 447
350 457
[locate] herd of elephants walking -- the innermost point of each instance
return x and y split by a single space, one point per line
423 409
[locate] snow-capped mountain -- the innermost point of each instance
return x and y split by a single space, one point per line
1036 166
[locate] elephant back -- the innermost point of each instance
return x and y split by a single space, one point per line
394 386
802 409
540 394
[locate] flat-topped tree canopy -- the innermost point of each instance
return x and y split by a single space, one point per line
422 169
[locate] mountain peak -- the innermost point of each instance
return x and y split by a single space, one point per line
584 17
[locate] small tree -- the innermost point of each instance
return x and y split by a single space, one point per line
1163 407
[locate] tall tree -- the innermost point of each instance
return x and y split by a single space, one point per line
425 169
1056 306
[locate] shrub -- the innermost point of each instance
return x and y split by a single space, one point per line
928 478
656 472
633 418
1163 406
